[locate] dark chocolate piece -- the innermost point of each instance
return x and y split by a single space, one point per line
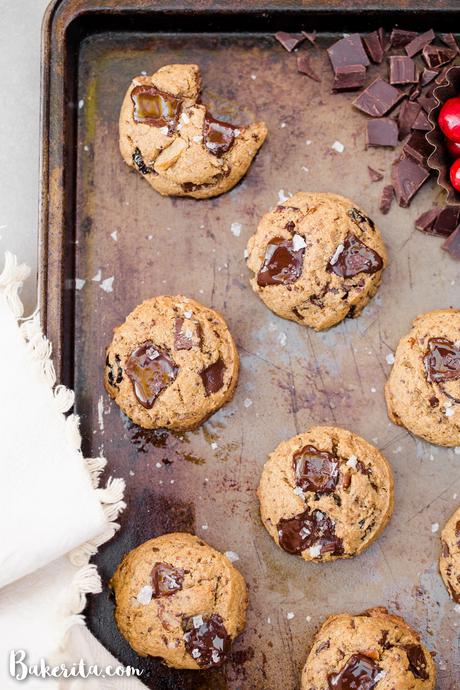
138 161
304 65
359 217
417 661
407 177
151 371
425 222
354 257
374 48
417 147
442 361
184 334
359 673
309 529
427 76
436 56
166 580
427 103
218 136
382 131
282 263
310 36
206 639
375 175
156 108
213 377
452 244
349 78
290 41
112 379
378 98
422 123
419 42
386 198
316 470
407 116
400 37
402 70
450 41
348 51
447 221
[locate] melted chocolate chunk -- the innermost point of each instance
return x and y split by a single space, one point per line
316 470
282 263
184 335
355 257
359 673
206 640
213 377
417 661
139 162
156 108
218 136
166 580
442 361
309 529
150 371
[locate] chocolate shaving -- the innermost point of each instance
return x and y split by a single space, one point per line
374 48
290 41
400 37
402 70
419 42
349 78
425 222
375 175
348 51
417 147
406 117
386 199
407 177
436 56
382 131
378 98
304 66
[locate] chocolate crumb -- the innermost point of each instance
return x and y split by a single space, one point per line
375 175
386 199
304 66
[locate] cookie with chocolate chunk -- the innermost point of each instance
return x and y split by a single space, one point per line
325 494
172 140
179 599
171 364
449 561
423 389
372 651
316 259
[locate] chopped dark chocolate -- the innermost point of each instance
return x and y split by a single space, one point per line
154 107
417 661
400 37
139 162
402 70
353 257
452 244
425 222
436 56
427 102
206 639
213 377
382 131
316 470
375 175
166 580
374 48
378 98
419 42
386 199
427 76
304 65
417 147
218 136
421 122
349 78
447 221
151 371
348 51
282 263
309 530
407 177
290 41
407 116
310 36
450 41
359 673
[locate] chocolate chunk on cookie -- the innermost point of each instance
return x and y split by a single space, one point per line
178 599
423 389
171 364
449 561
172 140
369 651
325 494
316 259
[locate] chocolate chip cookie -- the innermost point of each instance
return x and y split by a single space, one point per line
325 494
171 364
316 259
179 599
423 389
172 140
372 651
449 561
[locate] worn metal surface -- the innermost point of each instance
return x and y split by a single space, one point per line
205 481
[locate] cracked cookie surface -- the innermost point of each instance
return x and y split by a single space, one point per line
423 389
325 494
172 140
171 364
372 651
449 561
179 599
317 258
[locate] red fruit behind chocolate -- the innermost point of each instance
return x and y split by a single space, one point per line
453 147
455 174
449 119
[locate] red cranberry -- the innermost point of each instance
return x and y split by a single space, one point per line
455 174
449 119
453 147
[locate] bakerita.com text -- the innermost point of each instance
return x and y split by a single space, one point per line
21 668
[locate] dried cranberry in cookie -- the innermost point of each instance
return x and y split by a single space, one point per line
367 652
180 361
179 599
316 259
423 389
325 494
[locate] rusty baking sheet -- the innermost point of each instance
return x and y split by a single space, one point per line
101 220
